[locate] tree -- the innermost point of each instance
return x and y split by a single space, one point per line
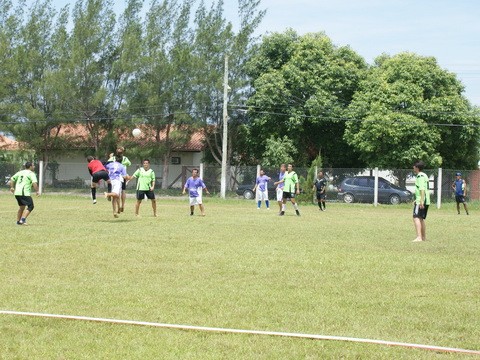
278 151
302 86
408 108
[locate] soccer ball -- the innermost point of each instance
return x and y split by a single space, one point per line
136 132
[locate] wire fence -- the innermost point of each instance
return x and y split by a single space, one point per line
343 184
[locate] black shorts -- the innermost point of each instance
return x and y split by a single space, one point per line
24 200
420 213
321 196
142 193
288 195
100 175
459 199
124 185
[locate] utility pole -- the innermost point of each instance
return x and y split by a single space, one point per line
223 181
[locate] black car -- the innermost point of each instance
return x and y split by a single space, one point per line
247 193
360 189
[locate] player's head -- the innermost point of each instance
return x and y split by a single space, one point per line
289 167
146 164
120 150
195 172
418 166
90 158
262 172
458 175
28 165
283 167
119 158
320 174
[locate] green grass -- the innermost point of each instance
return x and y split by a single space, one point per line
351 271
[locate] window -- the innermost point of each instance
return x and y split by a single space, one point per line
175 160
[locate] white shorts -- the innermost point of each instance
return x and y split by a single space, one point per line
196 201
279 194
261 195
117 186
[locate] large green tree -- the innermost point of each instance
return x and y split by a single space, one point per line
302 86
409 108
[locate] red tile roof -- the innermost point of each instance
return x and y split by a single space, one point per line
8 144
79 136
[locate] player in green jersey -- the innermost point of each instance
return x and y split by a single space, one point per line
422 201
21 186
145 186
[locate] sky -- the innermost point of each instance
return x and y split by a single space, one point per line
448 30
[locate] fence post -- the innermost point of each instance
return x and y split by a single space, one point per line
315 179
201 170
258 170
375 187
439 188
40 177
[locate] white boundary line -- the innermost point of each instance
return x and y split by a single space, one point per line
239 331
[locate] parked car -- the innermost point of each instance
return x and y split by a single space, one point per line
247 193
360 189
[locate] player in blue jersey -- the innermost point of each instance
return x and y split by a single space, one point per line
460 188
195 187
261 190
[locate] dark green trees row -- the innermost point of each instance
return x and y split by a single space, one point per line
292 97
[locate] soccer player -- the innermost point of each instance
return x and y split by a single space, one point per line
98 172
320 186
195 187
422 201
117 174
125 162
145 186
261 190
290 188
460 188
280 185
21 186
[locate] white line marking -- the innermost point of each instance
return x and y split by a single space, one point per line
240 331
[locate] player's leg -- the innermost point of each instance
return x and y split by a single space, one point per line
202 209
267 202
295 206
458 207
93 189
284 203
124 195
465 207
417 223
192 210
424 229
323 202
20 211
279 199
154 207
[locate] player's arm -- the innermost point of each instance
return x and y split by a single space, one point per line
12 185
206 190
35 187
464 188
297 184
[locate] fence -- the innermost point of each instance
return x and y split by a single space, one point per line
72 176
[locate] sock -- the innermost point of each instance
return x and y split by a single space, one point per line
23 219
267 203
259 203
94 193
295 206
324 205
109 187
283 207
320 205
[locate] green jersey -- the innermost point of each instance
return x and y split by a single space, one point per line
125 161
145 178
290 179
421 183
23 182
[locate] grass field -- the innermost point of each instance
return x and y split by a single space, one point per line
351 271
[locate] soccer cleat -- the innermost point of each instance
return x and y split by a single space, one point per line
94 201
191 214
281 213
115 215
19 223
120 210
417 240
258 208
297 212
268 208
